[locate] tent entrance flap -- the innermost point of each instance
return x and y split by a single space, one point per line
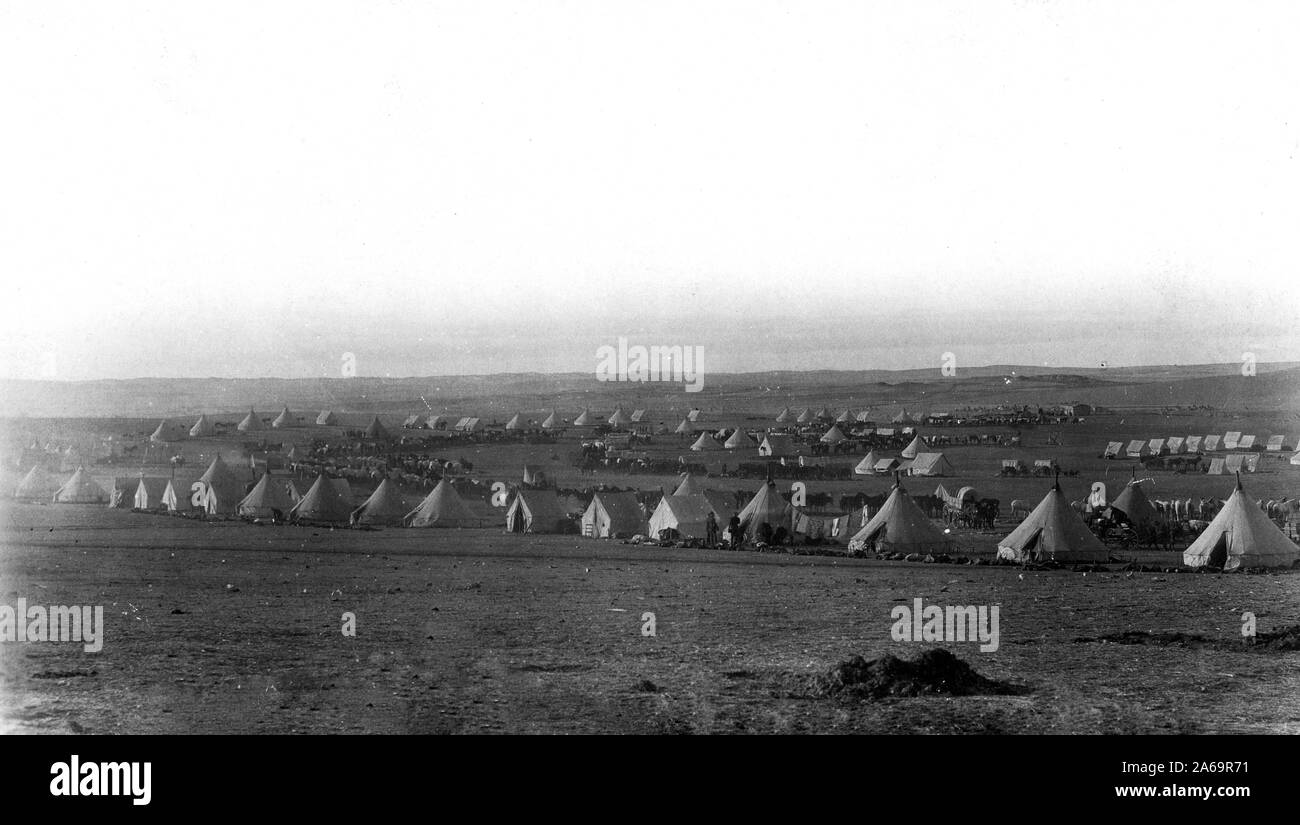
1219 555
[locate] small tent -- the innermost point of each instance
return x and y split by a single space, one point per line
203 427
329 501
834 435
619 418
766 507
250 424
443 507
1053 531
284 419
686 514
867 466
516 422
1114 449
784 417
1241 536
705 442
776 445
327 419
535 511
385 506
846 417
222 489
903 417
80 489
550 422
899 526
613 515
914 448
685 428
37 485
689 486
376 431
167 431
584 419
149 492
1135 505
739 440
1192 444
269 498
930 464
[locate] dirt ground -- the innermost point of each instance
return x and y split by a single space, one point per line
227 627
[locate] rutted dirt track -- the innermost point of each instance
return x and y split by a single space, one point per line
235 628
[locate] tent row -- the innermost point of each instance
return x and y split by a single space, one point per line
1179 445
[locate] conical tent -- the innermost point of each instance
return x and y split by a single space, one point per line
269 498
784 416
867 466
901 527
223 490
284 419
705 442
167 431
516 422
376 430
619 418
1053 531
443 507
904 417
1241 536
685 428
535 511
806 417
688 515
80 489
327 419
551 422
739 440
251 422
584 419
1135 505
329 501
846 417
767 506
690 486
37 485
917 446
385 506
203 427
613 515
834 435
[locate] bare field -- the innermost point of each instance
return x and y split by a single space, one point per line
224 627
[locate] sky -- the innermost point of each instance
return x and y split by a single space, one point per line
249 189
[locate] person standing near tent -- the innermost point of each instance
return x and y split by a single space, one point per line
733 530
711 529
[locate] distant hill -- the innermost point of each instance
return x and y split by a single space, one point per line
1276 386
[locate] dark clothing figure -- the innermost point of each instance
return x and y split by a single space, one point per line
765 533
733 528
711 530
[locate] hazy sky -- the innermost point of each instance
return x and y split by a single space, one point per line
255 189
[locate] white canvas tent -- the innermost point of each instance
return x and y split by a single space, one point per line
251 423
613 515
687 514
329 501
900 527
739 440
284 419
385 506
930 464
269 498
443 507
834 435
149 492
1241 536
203 427
915 448
1053 531
767 506
535 511
327 419
37 485
80 489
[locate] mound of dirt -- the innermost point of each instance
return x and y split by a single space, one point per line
934 673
